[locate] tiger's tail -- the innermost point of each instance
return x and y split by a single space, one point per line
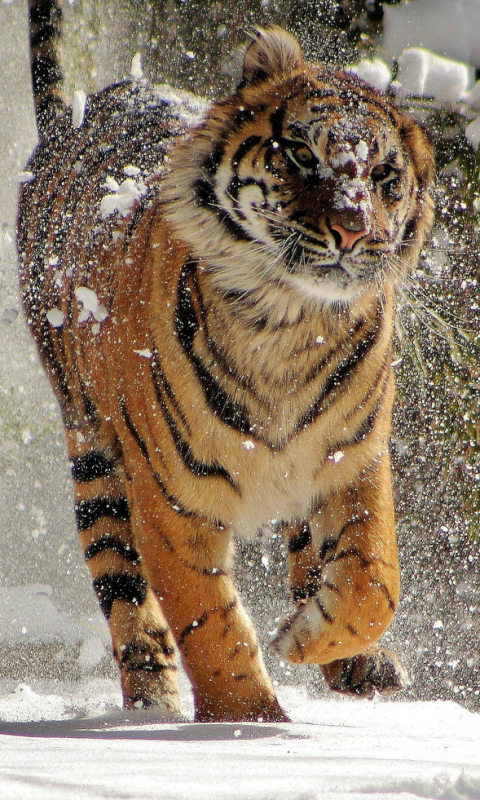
45 21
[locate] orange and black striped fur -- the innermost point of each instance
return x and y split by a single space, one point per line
212 295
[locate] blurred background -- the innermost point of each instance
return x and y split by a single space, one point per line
49 622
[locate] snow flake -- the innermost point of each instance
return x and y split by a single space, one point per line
248 444
320 340
78 108
336 457
144 353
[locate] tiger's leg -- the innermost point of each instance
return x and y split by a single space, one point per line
345 583
188 562
143 645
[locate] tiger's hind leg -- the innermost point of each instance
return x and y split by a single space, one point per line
345 583
143 645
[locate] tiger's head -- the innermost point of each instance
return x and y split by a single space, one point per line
307 181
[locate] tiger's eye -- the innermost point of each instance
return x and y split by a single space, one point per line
304 156
300 154
383 173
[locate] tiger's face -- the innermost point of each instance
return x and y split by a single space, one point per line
313 184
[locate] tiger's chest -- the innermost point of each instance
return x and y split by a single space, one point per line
241 423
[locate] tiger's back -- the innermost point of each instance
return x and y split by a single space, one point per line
213 302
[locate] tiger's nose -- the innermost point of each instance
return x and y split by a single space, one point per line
347 237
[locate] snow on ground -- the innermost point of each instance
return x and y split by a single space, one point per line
332 749
65 739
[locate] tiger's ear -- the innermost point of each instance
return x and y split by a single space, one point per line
273 52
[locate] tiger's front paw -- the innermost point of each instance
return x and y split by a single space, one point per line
376 670
306 635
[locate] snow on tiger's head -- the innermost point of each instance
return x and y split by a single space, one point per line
306 181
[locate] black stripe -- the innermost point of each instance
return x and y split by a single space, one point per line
113 543
206 197
119 586
351 629
235 186
301 540
132 648
233 414
214 159
198 468
276 123
353 551
161 379
149 666
194 626
341 375
88 512
171 499
91 466
243 116
45 34
136 218
326 616
44 11
131 427
319 94
367 425
45 72
244 148
53 365
160 635
332 543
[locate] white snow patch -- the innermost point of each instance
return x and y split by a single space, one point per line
473 96
136 70
472 133
131 171
55 317
421 72
374 71
144 353
123 197
343 158
91 305
25 177
361 151
78 108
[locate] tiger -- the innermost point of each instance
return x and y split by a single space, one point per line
211 287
